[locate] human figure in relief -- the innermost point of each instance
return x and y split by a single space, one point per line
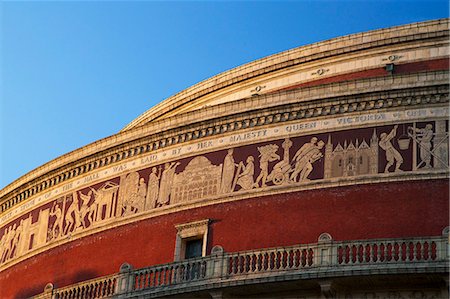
152 189
166 183
73 216
142 193
245 178
267 154
57 213
299 157
5 242
8 239
307 161
227 172
84 209
392 155
15 239
424 139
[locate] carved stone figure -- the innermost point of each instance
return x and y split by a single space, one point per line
299 157
141 194
306 163
245 178
166 183
392 155
153 189
15 240
56 229
424 140
267 154
8 236
3 244
129 194
227 172
84 209
73 216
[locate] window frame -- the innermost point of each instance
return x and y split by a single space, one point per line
190 231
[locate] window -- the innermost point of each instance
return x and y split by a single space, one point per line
191 239
193 248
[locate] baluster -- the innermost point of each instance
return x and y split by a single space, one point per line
374 253
278 260
291 259
151 278
176 270
433 251
253 263
157 277
412 251
272 261
347 254
247 263
105 288
260 262
305 258
426 251
95 294
388 252
382 249
418 251
310 257
360 254
171 275
339 254
197 269
165 269
353 252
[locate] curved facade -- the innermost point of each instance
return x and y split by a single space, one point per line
319 172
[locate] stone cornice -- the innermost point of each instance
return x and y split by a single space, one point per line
321 50
339 98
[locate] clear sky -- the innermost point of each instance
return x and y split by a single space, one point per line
75 72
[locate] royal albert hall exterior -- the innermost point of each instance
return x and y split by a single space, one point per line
318 172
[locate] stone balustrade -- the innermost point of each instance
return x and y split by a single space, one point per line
321 259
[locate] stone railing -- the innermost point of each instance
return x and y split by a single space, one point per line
393 256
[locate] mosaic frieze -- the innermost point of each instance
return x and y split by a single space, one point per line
288 161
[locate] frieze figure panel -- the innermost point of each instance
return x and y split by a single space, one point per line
421 146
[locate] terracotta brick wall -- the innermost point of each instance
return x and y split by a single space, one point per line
403 209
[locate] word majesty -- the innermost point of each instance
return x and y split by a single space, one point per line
284 162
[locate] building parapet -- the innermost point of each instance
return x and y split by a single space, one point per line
325 259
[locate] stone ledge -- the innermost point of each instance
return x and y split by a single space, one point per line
91 152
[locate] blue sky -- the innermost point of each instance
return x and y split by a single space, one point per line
75 72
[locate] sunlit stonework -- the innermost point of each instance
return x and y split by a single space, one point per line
323 141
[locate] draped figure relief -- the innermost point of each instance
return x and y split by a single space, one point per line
245 179
130 194
153 189
361 154
166 183
229 168
423 137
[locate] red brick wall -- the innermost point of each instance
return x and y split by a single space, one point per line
403 209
